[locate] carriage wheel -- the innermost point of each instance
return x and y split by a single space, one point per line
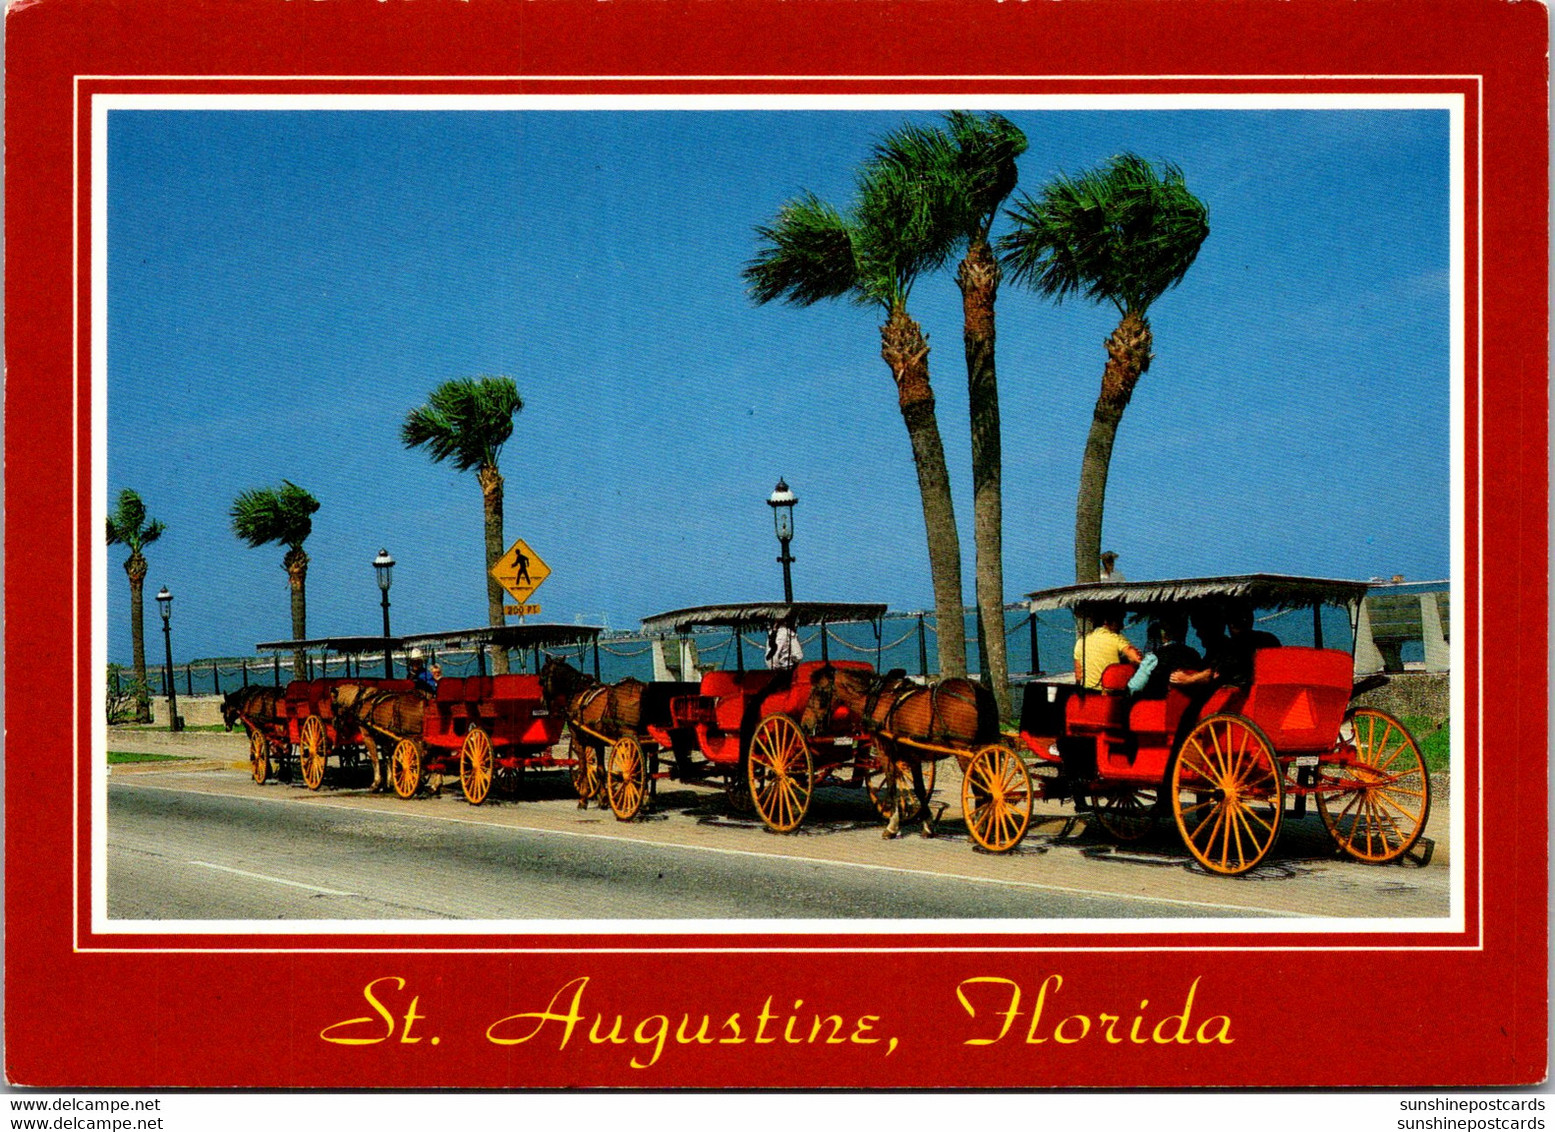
585 769
1376 806
626 780
996 798
259 756
475 766
1227 794
315 749
782 773
884 786
1126 814
405 768
737 788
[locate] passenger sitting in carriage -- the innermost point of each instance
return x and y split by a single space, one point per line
1168 655
1230 660
424 681
1103 647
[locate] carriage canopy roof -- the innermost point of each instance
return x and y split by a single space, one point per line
508 636
351 645
1267 591
759 614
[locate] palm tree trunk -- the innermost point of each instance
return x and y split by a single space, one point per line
296 563
906 351
135 567
1128 357
978 278
491 498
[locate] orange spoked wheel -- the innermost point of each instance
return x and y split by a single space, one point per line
626 778
1375 802
891 779
315 749
259 756
781 772
996 798
585 772
476 766
1227 794
1127 814
405 768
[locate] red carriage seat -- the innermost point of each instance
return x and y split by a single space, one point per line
1089 712
728 691
792 699
1299 695
1153 722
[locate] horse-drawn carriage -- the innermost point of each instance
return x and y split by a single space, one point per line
1223 762
488 729
301 725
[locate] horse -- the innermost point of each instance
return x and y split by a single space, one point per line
953 713
590 707
390 714
255 705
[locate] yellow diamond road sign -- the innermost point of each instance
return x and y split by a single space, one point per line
520 571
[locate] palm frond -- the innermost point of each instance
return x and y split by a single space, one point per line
127 524
986 148
1123 233
805 255
466 420
281 515
902 226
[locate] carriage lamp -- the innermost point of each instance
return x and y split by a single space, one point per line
165 604
384 565
782 503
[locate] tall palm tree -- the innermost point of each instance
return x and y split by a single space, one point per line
969 169
468 420
1125 234
873 256
284 516
127 526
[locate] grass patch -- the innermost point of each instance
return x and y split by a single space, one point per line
1435 742
117 757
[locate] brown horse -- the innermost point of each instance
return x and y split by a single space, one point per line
916 723
593 710
256 706
385 715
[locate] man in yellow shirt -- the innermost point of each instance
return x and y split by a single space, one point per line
1102 646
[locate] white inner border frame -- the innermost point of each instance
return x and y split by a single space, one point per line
765 931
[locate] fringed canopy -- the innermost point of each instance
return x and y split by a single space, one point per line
508 636
1265 591
760 614
343 645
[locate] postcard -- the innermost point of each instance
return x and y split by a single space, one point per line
568 546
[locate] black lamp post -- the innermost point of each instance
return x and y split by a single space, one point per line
782 503
165 604
384 565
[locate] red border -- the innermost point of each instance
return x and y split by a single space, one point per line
79 1018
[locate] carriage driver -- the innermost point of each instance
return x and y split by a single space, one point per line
1103 646
423 680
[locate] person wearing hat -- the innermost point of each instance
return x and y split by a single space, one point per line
1109 568
423 680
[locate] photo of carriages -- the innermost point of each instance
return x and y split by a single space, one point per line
1027 513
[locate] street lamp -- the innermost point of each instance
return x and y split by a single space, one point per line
782 503
384 565
165 604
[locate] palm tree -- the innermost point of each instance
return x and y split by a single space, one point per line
969 168
128 526
873 256
282 515
467 420
1123 233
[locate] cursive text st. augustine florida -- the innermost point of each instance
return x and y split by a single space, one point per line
994 1004
564 1020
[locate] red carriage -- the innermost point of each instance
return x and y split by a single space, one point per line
314 719
488 729
749 727
1225 769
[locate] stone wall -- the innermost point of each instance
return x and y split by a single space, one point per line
198 711
1412 693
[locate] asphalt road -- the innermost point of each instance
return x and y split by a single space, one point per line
204 844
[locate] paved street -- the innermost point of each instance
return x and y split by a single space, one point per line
203 841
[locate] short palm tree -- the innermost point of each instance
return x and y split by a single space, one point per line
127 526
1126 234
969 169
873 256
284 516
467 420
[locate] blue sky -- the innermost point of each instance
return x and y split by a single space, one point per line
284 286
